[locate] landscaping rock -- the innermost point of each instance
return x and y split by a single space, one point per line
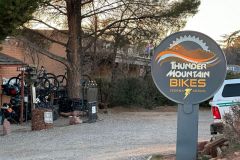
211 148
237 153
207 157
6 127
226 143
74 120
201 145
224 148
219 152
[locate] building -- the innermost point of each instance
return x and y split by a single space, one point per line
8 68
128 58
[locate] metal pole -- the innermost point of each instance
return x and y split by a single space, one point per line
22 97
187 132
33 96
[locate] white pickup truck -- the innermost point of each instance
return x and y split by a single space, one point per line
225 98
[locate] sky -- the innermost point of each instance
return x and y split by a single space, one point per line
216 18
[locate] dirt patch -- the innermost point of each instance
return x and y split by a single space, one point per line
233 154
162 157
120 109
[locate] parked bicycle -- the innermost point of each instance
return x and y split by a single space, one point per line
62 79
39 83
47 80
44 100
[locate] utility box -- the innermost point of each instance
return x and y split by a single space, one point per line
92 111
92 92
92 100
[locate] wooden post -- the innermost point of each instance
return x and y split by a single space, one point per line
22 97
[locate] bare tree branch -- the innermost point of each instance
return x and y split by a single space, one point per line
86 2
46 37
231 37
99 12
57 7
40 21
46 52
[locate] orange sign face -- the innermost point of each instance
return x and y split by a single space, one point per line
179 53
185 64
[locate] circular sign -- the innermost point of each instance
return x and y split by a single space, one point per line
188 67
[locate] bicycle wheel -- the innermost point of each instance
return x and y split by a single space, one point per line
54 84
16 81
50 75
42 83
62 80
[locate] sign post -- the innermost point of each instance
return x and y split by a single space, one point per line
188 67
22 69
187 132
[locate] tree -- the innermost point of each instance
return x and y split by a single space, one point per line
14 13
116 18
232 47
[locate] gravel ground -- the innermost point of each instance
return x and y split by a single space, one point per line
118 136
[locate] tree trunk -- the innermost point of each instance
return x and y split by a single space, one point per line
112 58
73 84
74 48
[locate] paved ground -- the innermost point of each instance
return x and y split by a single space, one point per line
121 136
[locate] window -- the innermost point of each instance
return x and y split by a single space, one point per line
231 90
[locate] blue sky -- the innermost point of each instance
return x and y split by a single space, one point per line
216 18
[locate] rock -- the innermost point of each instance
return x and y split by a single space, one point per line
207 156
219 152
224 148
74 113
201 145
226 143
213 138
77 113
74 120
6 127
211 148
237 153
219 136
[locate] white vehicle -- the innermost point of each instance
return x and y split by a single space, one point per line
225 98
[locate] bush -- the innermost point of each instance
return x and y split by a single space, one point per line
133 91
232 75
232 125
104 87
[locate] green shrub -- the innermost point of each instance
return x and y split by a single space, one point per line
133 91
232 125
104 87
232 75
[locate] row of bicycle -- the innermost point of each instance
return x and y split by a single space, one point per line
46 84
42 81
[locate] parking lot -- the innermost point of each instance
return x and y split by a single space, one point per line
117 135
